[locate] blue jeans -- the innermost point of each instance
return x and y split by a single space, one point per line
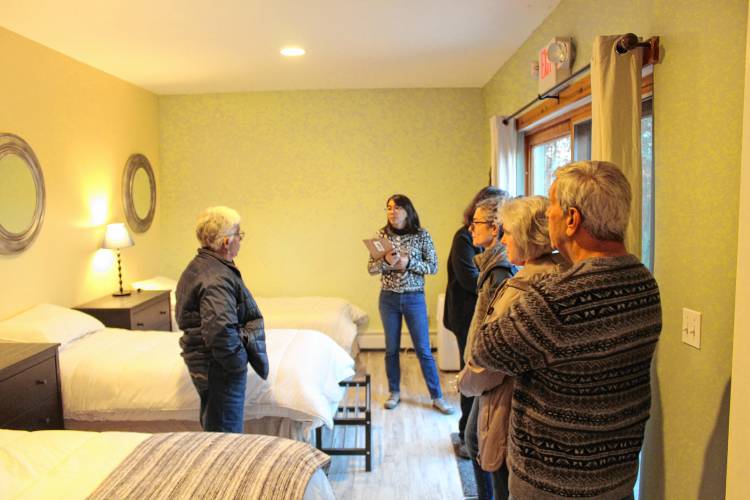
410 306
223 403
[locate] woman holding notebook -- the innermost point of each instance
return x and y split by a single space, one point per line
402 269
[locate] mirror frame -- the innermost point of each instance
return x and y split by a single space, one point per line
136 223
10 242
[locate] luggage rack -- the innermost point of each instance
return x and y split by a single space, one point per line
355 411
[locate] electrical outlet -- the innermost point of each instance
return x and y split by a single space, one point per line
691 327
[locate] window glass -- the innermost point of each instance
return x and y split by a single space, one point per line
545 158
647 170
582 141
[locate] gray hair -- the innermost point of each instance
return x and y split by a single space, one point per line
600 191
215 224
526 220
491 207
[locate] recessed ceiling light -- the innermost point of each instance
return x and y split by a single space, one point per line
292 51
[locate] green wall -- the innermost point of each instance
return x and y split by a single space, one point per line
310 172
698 96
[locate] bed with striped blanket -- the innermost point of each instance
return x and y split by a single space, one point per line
74 464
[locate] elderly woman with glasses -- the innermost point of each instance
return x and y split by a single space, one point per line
222 325
402 296
461 292
494 270
527 243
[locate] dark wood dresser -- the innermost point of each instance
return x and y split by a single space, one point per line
30 387
144 310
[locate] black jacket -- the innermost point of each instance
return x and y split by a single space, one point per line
214 308
461 292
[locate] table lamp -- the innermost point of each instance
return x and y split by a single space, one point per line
116 236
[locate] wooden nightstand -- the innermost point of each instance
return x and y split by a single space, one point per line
30 387
144 310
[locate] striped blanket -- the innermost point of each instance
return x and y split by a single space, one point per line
213 465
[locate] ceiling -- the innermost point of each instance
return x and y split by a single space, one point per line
196 46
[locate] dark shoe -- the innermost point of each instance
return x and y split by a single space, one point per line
442 406
393 400
462 451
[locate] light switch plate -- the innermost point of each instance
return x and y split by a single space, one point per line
691 327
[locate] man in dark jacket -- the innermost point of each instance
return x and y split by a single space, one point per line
222 325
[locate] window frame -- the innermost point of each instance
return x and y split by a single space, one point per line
538 129
557 128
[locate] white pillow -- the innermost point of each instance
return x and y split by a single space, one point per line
48 323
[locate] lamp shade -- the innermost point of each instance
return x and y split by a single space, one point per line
117 236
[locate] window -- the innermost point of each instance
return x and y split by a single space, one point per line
567 138
546 151
647 170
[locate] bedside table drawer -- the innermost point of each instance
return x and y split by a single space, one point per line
27 389
153 317
43 417
142 310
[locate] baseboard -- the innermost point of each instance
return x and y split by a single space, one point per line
376 341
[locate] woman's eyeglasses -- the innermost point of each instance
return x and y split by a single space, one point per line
474 223
239 234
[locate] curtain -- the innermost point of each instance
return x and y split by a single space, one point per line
503 150
616 120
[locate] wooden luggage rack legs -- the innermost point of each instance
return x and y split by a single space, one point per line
355 411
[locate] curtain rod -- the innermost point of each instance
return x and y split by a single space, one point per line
547 95
624 44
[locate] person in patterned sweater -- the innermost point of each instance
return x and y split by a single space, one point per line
580 344
402 296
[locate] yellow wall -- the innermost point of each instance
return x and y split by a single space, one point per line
697 123
82 125
310 172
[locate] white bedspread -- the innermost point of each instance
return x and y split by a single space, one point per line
335 317
119 374
60 464
71 464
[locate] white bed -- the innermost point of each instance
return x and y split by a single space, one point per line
72 464
114 379
333 316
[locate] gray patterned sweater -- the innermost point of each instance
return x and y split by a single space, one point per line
580 345
422 260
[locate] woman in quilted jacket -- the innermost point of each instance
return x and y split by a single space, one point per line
222 325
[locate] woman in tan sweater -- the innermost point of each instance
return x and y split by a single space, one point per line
527 244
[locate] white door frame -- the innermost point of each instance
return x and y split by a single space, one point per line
738 458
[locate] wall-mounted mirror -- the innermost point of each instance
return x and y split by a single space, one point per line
139 193
22 194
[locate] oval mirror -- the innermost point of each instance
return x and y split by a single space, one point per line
22 194
139 193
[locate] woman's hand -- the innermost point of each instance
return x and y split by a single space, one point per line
392 259
403 261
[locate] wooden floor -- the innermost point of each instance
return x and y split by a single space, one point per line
412 452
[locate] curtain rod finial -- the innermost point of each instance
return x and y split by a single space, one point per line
626 43
630 41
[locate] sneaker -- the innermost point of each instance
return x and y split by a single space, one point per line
442 406
393 400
